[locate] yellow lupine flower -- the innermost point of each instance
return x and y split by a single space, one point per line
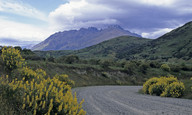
30 104
43 105
35 105
23 107
34 112
60 107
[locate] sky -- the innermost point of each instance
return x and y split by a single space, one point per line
35 20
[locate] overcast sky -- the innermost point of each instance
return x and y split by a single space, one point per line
35 20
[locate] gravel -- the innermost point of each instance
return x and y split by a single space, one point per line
125 100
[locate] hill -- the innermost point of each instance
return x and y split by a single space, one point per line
175 44
78 39
104 49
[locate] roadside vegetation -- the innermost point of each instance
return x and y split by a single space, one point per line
27 77
27 91
164 86
107 71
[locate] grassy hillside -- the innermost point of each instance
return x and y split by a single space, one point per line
106 49
175 44
112 47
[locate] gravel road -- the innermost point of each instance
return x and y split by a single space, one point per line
125 100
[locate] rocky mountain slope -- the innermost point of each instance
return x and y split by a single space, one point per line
78 39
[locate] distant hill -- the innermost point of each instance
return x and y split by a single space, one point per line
175 44
78 39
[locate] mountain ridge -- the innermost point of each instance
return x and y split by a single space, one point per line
175 44
79 39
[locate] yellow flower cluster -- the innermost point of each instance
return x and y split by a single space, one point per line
29 74
48 96
148 83
164 86
175 89
65 78
11 58
36 94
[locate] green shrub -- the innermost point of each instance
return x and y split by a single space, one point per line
165 67
157 88
105 64
148 83
130 67
175 89
12 58
191 79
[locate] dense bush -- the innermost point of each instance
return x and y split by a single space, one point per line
157 88
148 84
32 93
164 86
175 89
191 79
105 63
65 78
46 96
11 58
165 67
130 67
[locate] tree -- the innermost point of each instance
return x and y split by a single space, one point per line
71 59
165 67
12 58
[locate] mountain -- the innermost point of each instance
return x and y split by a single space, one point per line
14 42
175 44
78 39
105 49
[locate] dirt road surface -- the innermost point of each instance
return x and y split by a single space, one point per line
125 100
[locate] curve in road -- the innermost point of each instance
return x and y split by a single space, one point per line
125 100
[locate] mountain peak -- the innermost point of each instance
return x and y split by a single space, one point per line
115 27
84 37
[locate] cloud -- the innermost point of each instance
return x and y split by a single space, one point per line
19 8
157 33
22 32
144 16
82 13
150 18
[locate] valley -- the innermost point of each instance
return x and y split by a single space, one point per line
125 60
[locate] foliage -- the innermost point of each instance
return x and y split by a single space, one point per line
65 78
11 58
45 96
30 74
165 67
130 67
191 79
175 89
164 86
32 92
157 88
71 59
105 64
148 83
